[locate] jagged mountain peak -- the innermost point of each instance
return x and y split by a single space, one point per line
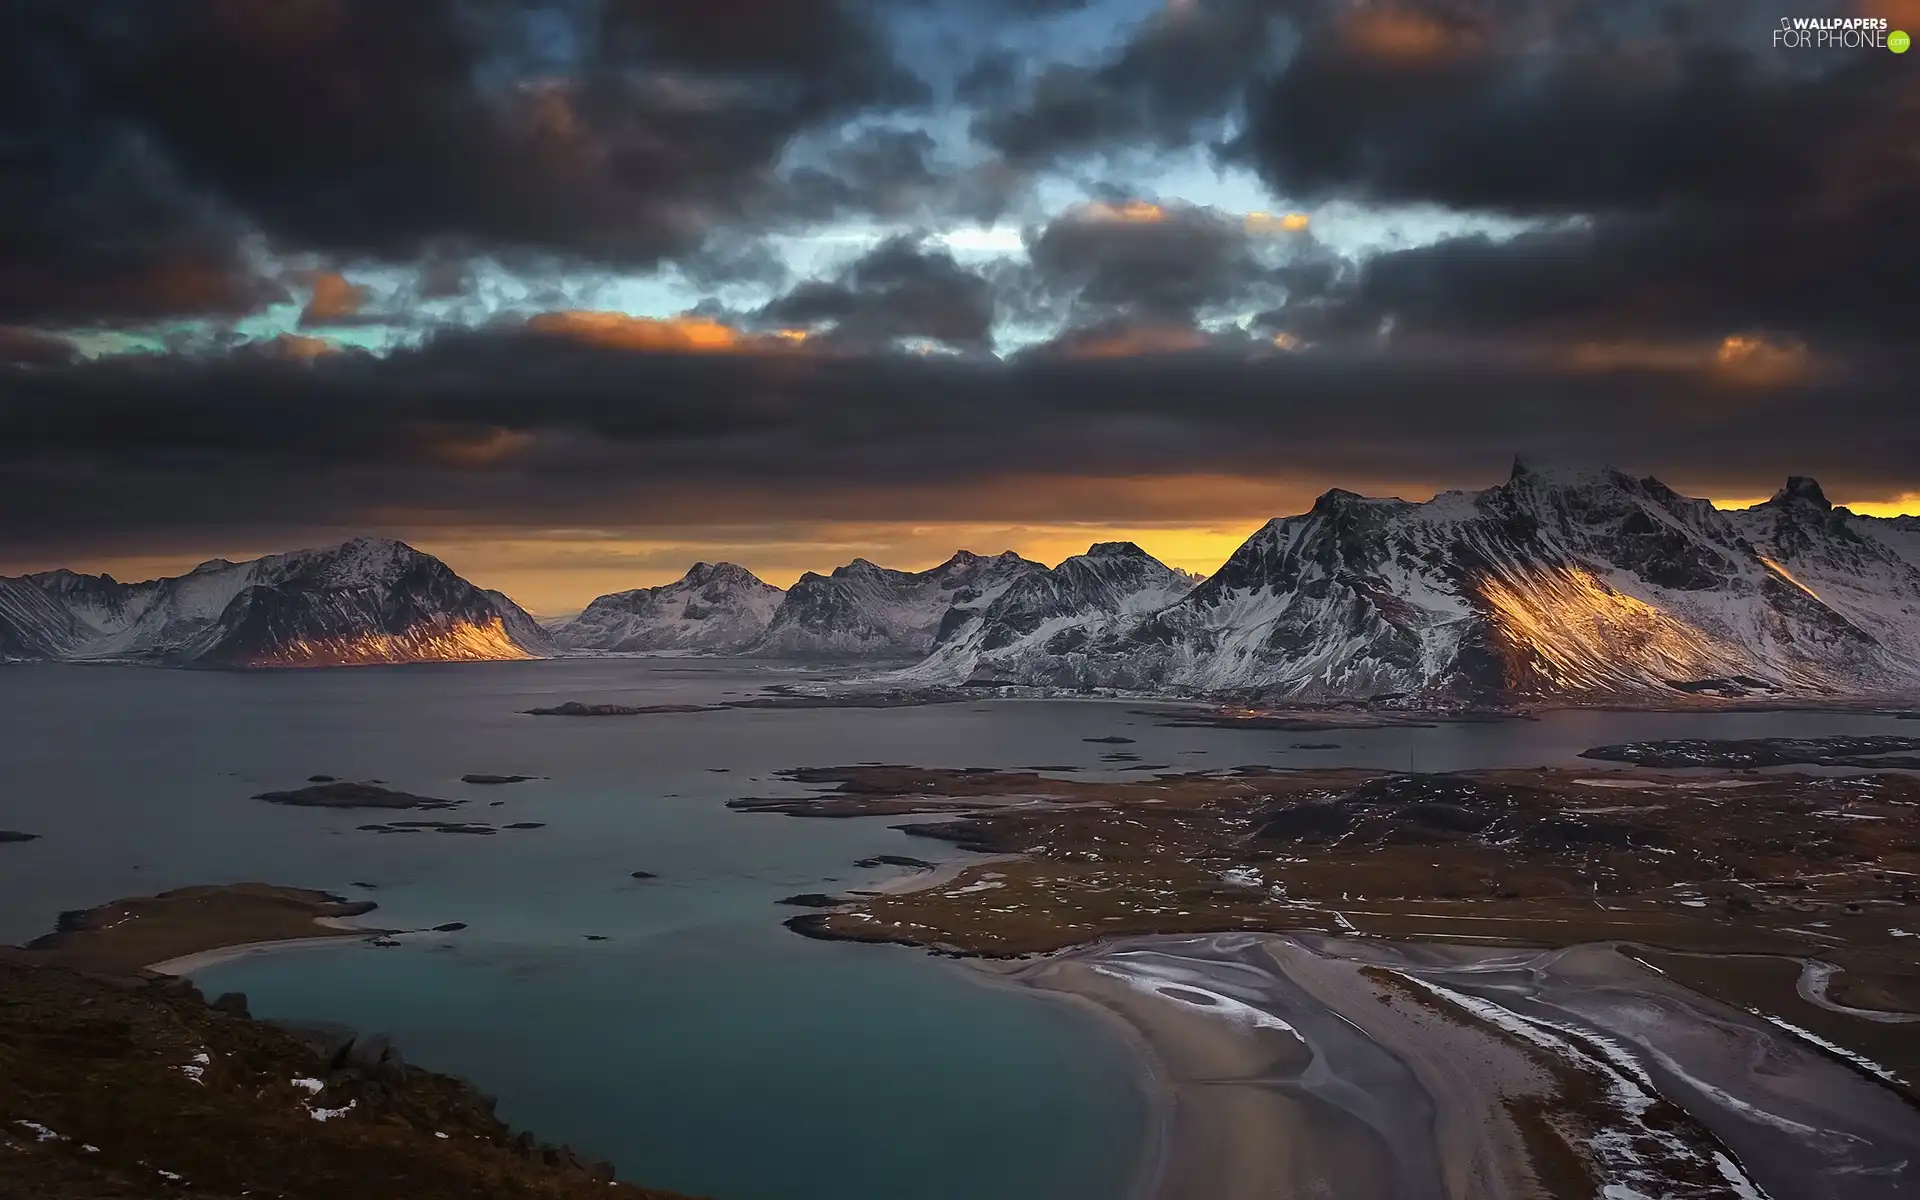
1563 472
868 611
1038 610
727 574
60 579
715 608
967 559
1340 500
1802 489
861 567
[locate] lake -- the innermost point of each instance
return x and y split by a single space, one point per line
700 1046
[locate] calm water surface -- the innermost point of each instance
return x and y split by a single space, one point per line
701 1046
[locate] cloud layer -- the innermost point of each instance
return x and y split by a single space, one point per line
533 265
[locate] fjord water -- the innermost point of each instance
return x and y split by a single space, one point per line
701 1046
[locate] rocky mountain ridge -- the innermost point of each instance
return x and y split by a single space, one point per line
369 600
716 608
1553 584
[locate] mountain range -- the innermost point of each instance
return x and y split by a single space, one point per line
1552 584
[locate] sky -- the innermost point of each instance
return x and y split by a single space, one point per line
574 293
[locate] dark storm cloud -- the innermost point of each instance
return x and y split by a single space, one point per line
898 290
142 139
992 79
505 429
1417 103
1717 191
890 173
1184 68
1719 273
95 223
1158 262
1706 184
32 348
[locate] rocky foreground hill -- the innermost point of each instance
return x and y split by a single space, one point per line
119 1087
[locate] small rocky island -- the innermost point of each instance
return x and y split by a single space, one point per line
1755 753
342 794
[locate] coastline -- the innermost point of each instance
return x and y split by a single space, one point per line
1150 1172
1231 1119
192 927
941 873
1375 1070
187 964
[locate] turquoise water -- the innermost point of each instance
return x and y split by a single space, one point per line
748 1066
702 1047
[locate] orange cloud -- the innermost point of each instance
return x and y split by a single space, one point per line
333 299
1753 358
662 335
1132 212
1402 36
652 335
1900 14
31 347
1265 222
1746 358
299 348
191 285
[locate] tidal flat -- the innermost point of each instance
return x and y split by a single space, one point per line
699 1022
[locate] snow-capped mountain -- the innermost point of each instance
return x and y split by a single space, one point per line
370 600
1866 569
1047 612
716 608
867 611
33 623
1552 584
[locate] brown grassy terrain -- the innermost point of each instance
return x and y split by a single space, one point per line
137 1088
124 936
1793 866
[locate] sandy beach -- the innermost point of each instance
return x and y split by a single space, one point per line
1259 1104
187 964
1320 1066
918 880
187 929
